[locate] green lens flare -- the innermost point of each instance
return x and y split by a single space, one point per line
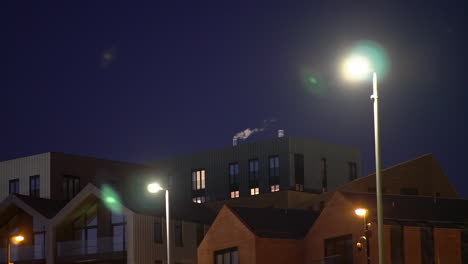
311 80
111 199
376 54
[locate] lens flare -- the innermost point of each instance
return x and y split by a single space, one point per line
111 199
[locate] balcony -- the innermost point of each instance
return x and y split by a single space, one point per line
23 253
103 248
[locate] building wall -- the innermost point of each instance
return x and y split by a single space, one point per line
227 231
216 163
279 251
22 169
447 245
147 251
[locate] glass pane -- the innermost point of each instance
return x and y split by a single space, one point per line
91 247
227 258
198 180
117 238
219 259
234 257
203 179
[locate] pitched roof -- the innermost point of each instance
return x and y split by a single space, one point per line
46 207
414 208
277 223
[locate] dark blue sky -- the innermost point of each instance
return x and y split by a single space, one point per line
138 82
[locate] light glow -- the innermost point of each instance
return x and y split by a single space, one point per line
154 188
361 211
18 239
356 68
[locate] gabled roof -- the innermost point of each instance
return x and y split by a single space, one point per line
277 223
414 208
47 207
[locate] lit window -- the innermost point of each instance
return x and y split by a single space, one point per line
198 185
300 187
254 191
275 188
235 194
200 199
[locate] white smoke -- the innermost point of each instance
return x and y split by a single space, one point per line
244 134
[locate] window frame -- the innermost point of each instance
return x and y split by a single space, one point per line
222 252
274 172
254 174
74 181
14 182
35 186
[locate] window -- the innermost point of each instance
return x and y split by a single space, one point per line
234 179
71 186
254 191
179 237
273 166
253 173
397 244
39 245
227 256
14 186
324 175
158 233
352 170
198 186
200 233
409 191
299 171
340 248
34 186
85 230
427 245
119 223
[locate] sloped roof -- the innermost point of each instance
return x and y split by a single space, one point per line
414 208
277 223
46 207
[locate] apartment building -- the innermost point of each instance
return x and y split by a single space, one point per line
61 176
285 163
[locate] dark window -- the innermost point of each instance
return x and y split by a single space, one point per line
198 186
14 186
200 233
34 186
71 186
85 230
158 233
427 245
119 224
397 244
234 179
299 171
227 256
464 244
324 175
253 173
352 170
409 191
274 171
179 236
340 249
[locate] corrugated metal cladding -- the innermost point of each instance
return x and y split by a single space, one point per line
147 251
22 169
216 163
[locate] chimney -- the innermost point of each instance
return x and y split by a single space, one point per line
281 133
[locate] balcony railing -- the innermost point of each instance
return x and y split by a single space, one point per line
23 253
87 247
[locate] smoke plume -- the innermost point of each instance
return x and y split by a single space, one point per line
246 133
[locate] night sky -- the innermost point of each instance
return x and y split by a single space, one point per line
138 82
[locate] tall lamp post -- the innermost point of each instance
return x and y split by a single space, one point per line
358 67
16 240
154 188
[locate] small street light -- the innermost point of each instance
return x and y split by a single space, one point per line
15 240
362 212
154 188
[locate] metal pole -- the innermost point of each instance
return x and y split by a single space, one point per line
8 250
366 232
168 241
378 179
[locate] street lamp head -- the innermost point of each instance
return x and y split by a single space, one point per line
356 68
17 239
154 187
361 211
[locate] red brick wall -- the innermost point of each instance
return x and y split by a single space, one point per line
279 251
447 246
412 244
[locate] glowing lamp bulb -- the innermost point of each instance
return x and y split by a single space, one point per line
154 187
361 211
18 239
356 67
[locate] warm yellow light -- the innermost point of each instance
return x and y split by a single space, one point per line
154 187
361 211
18 239
356 67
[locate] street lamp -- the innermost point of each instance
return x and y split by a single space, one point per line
362 212
154 188
16 240
359 67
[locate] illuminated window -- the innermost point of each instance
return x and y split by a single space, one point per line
198 186
273 166
234 179
254 191
14 186
275 188
235 194
34 186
